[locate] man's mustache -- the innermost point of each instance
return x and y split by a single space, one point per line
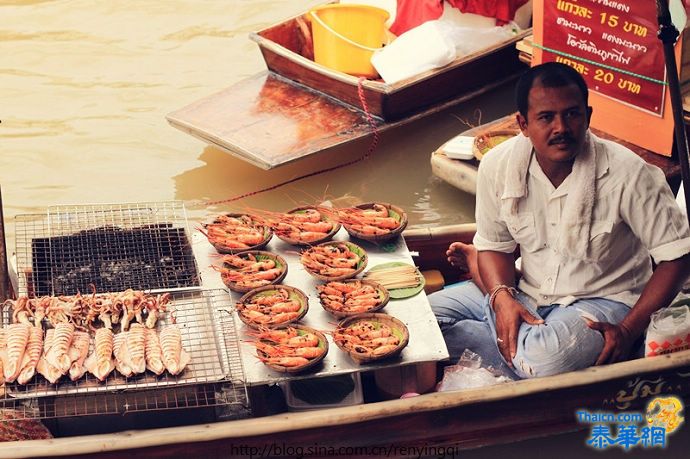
561 139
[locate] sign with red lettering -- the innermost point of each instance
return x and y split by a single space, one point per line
613 44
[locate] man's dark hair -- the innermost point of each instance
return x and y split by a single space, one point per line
549 75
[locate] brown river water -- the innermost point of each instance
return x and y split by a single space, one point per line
85 87
84 90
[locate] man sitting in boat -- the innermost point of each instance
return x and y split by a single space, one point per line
589 217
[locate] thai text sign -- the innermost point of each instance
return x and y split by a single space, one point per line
613 44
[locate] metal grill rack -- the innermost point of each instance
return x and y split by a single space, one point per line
214 376
111 247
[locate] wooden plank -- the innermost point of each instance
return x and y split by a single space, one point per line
472 417
269 120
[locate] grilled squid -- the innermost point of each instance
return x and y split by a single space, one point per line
48 371
58 356
175 357
77 354
136 348
154 353
32 355
17 340
100 363
119 351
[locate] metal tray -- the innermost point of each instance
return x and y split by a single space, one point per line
208 334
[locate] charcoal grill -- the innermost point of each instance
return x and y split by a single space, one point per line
112 248
108 248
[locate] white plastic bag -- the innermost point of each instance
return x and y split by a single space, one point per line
669 330
420 49
433 45
468 373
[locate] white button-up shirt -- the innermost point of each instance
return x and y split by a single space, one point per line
634 216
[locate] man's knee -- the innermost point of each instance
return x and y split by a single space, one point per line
460 302
547 351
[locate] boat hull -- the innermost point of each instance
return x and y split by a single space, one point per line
471 418
282 53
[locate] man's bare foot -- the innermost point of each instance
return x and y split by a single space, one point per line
461 254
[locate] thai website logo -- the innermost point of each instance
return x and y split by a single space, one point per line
627 430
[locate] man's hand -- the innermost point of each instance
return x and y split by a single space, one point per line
617 341
510 313
460 254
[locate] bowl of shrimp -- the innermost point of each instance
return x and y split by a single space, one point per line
351 297
373 221
334 260
245 271
304 225
272 306
290 349
371 337
236 232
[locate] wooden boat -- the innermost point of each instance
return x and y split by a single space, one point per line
462 174
463 419
315 108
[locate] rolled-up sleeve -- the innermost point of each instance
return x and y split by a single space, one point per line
649 208
492 232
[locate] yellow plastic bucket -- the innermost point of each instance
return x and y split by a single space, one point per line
346 35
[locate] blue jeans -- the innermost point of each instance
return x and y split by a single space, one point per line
563 343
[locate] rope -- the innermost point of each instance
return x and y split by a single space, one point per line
608 67
366 155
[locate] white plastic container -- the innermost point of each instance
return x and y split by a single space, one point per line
322 388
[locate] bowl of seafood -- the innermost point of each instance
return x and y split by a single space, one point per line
334 260
304 225
245 271
272 306
291 349
232 233
370 337
351 297
373 221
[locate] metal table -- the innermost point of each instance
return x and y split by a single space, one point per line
426 343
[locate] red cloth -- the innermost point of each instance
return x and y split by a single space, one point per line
411 13
502 10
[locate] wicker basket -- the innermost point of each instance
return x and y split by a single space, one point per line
359 268
259 254
393 211
268 234
488 140
399 329
324 218
265 290
301 329
383 293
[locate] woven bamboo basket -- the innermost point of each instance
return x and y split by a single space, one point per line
301 329
383 293
260 255
294 293
327 237
358 269
397 327
393 211
488 140
267 232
